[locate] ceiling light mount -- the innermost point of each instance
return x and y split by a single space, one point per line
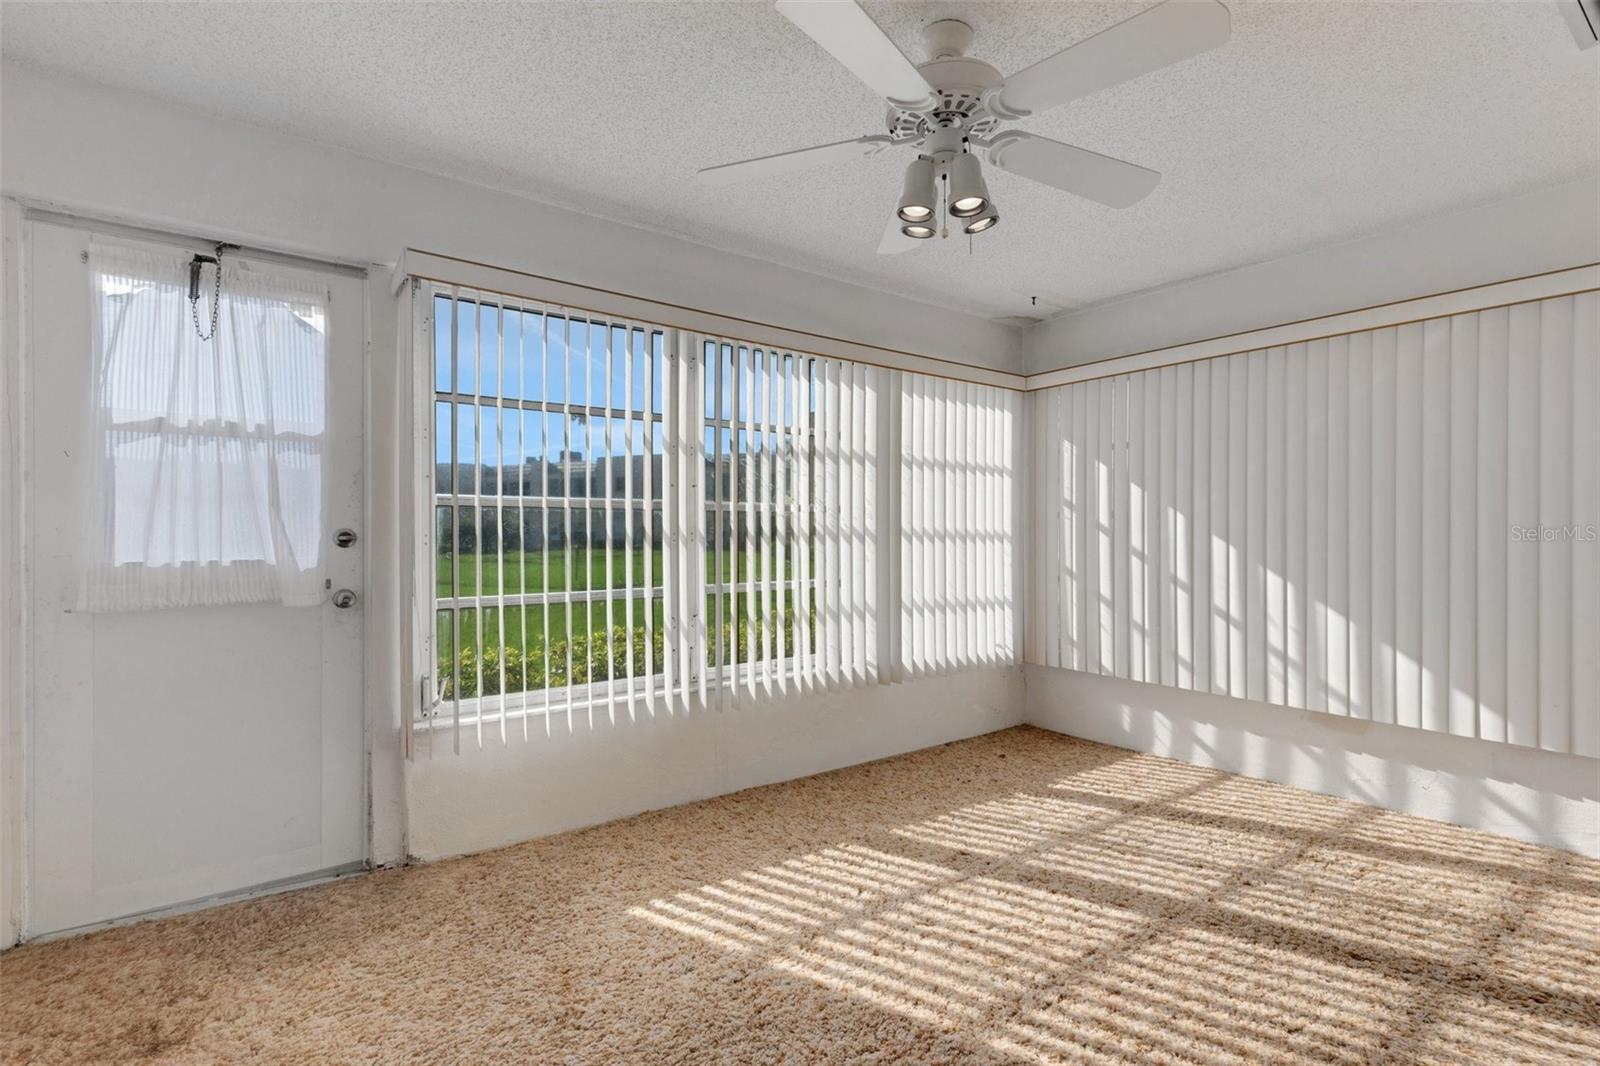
946 39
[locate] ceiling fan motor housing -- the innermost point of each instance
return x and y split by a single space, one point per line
958 81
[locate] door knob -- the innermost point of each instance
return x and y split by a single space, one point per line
344 598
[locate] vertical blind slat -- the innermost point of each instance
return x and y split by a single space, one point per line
1585 734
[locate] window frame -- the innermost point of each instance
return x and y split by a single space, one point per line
438 709
441 711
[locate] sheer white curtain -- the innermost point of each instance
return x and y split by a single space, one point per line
209 484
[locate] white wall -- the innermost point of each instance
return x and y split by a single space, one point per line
1537 796
118 154
503 794
11 648
1551 229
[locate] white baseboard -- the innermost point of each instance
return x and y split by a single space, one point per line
505 793
1538 796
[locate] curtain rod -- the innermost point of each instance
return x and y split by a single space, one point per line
113 228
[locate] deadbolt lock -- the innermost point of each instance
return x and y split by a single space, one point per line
345 538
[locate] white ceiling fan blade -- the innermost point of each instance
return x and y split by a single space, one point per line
1154 38
849 35
788 162
1079 171
894 242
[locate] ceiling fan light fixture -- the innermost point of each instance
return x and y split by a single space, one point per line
919 194
969 196
917 230
984 222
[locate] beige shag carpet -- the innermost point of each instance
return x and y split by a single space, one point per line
1019 897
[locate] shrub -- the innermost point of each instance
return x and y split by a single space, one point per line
596 656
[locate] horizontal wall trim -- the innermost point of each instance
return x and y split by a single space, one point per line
1533 287
465 273
129 231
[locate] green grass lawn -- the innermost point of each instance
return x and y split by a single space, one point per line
525 627
463 632
516 629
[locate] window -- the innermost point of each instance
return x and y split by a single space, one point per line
760 509
209 488
632 518
548 487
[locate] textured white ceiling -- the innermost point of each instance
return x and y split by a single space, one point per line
1316 123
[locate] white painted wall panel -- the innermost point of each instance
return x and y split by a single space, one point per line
1397 525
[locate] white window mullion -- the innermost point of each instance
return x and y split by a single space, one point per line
764 361
848 491
718 518
647 409
828 449
671 496
607 435
736 554
940 524
970 441
548 338
747 359
587 501
805 435
568 558
783 518
629 504
970 473
910 552
477 510
499 504
524 458
695 514
691 559
455 519
921 580
867 506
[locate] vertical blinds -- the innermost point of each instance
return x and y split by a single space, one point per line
1397 525
631 520
544 555
955 517
793 537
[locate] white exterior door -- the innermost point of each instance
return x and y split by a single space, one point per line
182 753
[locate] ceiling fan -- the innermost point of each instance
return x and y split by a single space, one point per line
953 106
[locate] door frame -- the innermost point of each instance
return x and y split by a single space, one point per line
17 608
